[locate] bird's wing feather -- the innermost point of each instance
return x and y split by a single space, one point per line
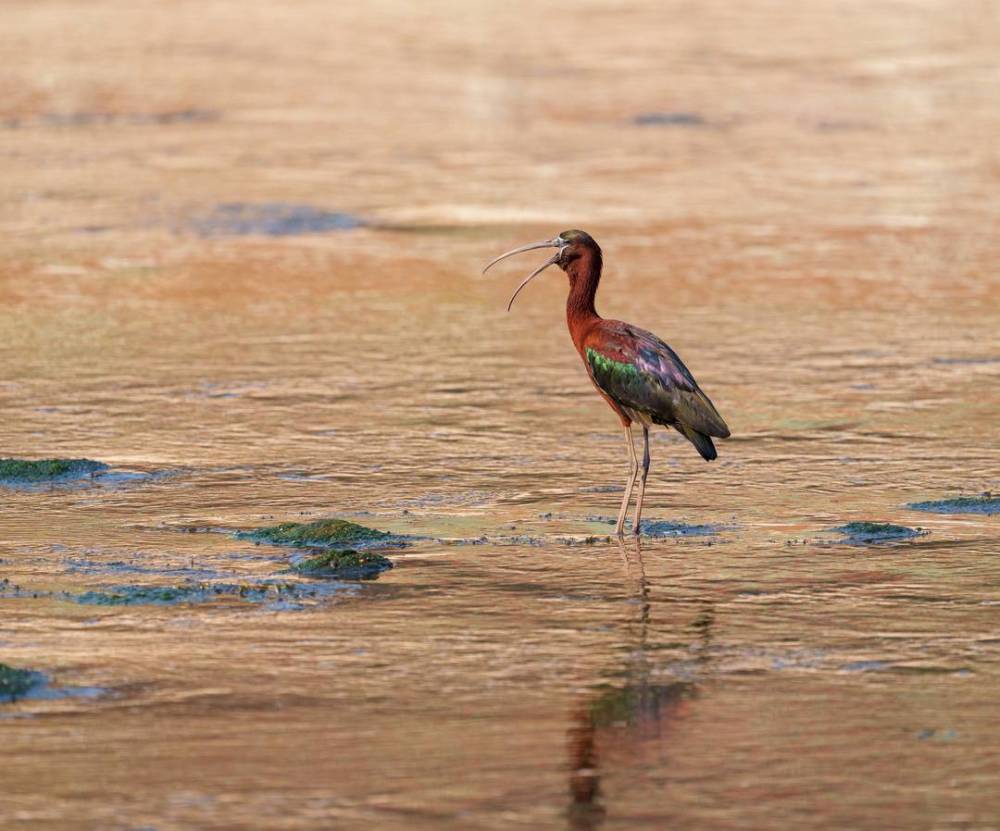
640 371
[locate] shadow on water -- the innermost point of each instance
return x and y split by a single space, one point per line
635 714
669 119
271 219
104 118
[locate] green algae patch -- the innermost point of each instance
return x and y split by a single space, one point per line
985 504
16 683
38 471
867 533
322 533
346 564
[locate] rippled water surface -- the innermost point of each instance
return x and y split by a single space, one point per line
804 205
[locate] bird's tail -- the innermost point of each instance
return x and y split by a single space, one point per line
702 443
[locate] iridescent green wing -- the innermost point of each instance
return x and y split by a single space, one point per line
640 372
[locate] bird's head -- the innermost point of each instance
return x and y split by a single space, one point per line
571 246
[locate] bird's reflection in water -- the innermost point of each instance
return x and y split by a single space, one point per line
636 714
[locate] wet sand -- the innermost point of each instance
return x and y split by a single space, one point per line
242 251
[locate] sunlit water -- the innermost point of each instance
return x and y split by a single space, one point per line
818 243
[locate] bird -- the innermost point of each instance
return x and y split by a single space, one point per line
641 378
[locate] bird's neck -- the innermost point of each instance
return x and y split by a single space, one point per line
584 276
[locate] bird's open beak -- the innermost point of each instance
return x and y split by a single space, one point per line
552 243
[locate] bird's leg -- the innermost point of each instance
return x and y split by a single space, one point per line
633 472
642 482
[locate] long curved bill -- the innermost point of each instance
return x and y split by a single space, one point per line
552 243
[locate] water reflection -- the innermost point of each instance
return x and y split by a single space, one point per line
636 715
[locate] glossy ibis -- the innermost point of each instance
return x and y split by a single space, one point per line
642 379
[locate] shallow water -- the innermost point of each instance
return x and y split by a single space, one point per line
815 238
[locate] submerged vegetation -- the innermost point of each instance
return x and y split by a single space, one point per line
985 504
15 683
320 561
318 534
276 593
128 595
194 592
348 564
667 528
863 533
26 472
